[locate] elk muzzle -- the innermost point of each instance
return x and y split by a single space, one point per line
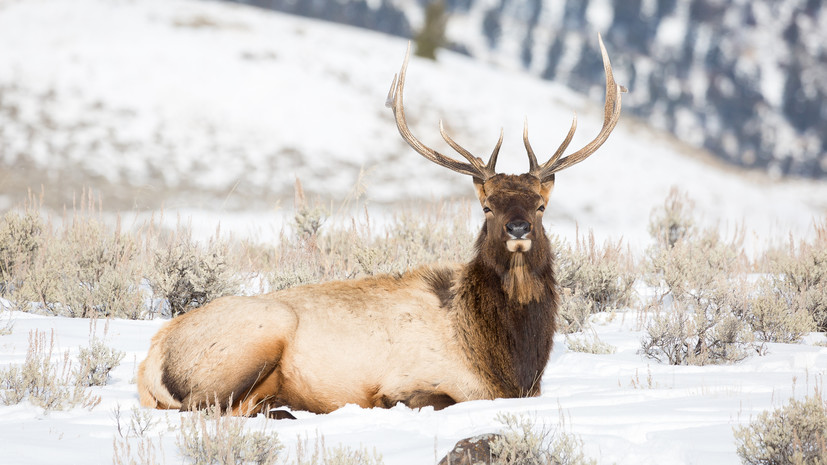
516 232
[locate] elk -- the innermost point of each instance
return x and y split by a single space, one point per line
433 336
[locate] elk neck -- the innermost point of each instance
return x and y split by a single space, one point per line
524 277
507 307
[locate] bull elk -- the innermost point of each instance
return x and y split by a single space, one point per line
433 336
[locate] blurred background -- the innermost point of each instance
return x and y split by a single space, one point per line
221 105
745 79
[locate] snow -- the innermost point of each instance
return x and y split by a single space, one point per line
227 99
600 14
671 32
627 409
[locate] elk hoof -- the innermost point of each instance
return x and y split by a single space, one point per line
280 415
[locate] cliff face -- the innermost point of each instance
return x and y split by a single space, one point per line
745 79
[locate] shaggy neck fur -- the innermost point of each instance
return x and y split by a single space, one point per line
507 308
520 284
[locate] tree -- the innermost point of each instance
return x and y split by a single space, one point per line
432 34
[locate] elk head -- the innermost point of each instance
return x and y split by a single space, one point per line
513 204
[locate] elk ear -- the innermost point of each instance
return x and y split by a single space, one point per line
546 186
479 187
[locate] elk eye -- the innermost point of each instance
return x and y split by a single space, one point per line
542 208
486 210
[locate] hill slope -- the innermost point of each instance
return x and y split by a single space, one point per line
743 79
213 106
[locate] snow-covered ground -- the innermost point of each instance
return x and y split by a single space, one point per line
627 409
213 110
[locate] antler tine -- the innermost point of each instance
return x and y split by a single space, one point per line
475 161
562 148
475 168
611 115
492 160
487 169
532 159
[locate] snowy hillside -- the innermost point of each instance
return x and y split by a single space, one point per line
202 105
744 79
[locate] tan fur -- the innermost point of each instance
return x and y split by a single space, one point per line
151 390
335 343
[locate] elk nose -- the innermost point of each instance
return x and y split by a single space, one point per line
518 229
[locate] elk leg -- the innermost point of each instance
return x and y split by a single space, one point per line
437 400
259 396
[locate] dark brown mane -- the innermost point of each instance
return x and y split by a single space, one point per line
508 338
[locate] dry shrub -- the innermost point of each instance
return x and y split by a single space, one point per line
95 363
81 270
589 343
20 239
688 334
295 265
713 311
299 258
316 453
140 452
701 294
800 275
103 275
592 279
187 275
307 221
674 221
693 268
305 254
343 455
774 317
209 437
46 379
437 234
574 312
410 240
521 443
795 434
133 444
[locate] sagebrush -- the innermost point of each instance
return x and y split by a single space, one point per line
799 275
46 378
96 361
521 442
82 269
794 434
593 279
213 438
701 298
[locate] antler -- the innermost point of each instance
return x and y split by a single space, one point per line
611 114
475 166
